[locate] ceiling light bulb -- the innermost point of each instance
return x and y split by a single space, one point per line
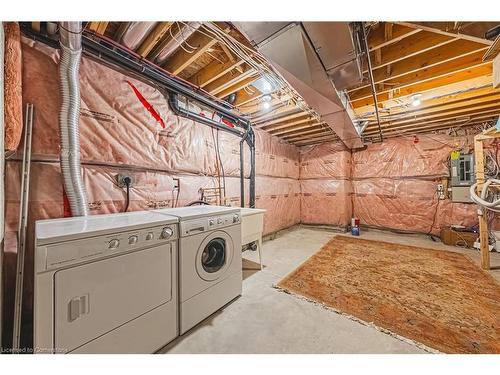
266 105
267 87
266 98
416 100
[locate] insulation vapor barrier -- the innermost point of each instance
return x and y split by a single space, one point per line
394 184
119 135
326 190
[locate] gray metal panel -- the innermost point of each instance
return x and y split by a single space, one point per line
296 59
258 32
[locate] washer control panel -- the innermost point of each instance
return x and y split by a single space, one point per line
77 251
195 226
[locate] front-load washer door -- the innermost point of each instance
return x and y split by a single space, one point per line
214 256
96 298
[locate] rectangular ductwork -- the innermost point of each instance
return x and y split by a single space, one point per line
311 56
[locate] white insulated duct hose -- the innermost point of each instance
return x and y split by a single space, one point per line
494 205
71 51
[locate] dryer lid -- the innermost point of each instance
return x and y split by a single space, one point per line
193 212
56 230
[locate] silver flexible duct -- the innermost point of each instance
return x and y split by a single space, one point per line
69 65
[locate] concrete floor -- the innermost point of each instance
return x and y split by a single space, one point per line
264 320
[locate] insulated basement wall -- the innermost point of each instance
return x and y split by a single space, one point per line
118 135
394 184
326 189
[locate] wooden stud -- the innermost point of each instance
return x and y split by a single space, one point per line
483 221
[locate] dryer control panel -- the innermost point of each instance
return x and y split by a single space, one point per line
62 254
195 226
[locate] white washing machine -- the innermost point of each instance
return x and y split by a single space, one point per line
210 272
106 283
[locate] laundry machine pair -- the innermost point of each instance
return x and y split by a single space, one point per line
210 270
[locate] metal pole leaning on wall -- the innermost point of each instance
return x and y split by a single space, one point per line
23 223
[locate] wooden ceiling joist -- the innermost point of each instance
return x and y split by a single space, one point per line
409 47
443 107
229 79
420 76
304 119
153 38
305 124
213 71
445 28
300 129
417 124
315 140
246 96
434 127
307 134
181 59
98 26
240 84
378 37
419 86
457 98
449 54
283 119
276 114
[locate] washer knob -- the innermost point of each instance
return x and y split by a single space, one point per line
236 218
113 244
166 232
211 222
149 236
219 221
132 240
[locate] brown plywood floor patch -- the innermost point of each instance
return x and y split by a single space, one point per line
437 298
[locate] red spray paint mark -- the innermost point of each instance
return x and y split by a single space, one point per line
147 105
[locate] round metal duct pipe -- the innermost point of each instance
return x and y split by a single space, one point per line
69 65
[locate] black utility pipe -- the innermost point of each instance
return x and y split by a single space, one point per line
173 101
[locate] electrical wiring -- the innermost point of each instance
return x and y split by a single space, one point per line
221 167
180 43
256 62
127 181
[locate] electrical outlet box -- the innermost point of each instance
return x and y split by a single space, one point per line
121 183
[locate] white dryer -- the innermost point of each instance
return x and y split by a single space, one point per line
210 271
106 283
